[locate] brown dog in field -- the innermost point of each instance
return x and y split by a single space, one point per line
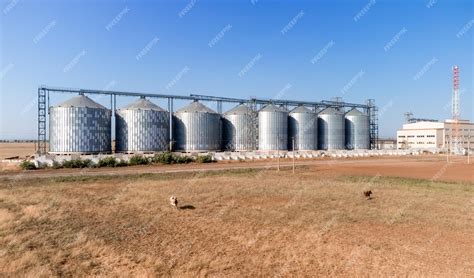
174 201
367 194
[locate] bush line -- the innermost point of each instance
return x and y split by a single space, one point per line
162 158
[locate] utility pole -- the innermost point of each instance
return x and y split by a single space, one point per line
449 148
446 147
469 147
446 138
457 142
278 154
171 145
293 144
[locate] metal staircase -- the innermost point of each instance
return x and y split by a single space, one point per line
373 124
42 117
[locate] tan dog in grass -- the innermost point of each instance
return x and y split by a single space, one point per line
174 201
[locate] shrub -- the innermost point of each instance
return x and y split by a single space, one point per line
87 163
121 163
183 159
138 160
165 158
205 159
109 161
75 163
42 165
57 165
169 158
27 165
67 164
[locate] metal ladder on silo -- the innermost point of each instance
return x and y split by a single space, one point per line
254 131
373 123
42 106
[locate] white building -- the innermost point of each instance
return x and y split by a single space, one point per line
434 135
387 144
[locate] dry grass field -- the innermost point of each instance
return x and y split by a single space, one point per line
16 149
236 222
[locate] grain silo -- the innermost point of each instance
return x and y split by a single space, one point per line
357 130
303 127
197 128
141 126
272 128
239 129
331 133
79 125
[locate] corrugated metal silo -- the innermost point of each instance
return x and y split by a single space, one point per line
272 128
357 130
197 128
303 127
331 133
141 126
239 130
79 125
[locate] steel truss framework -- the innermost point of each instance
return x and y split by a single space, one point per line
254 103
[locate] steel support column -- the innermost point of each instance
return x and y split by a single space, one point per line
43 95
170 110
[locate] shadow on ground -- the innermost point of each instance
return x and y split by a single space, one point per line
187 207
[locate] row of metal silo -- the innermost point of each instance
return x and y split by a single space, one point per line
239 129
141 126
197 128
80 125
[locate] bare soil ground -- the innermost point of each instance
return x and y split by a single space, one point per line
434 168
11 153
14 152
423 167
16 149
238 223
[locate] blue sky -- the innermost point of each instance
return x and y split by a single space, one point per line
399 53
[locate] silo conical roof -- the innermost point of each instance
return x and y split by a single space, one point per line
301 109
195 107
355 112
80 101
239 109
330 110
143 104
272 108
